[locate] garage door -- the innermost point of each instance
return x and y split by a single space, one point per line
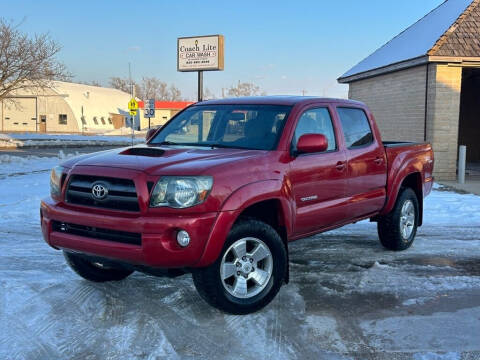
20 116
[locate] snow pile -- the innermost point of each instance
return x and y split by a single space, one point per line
125 131
67 140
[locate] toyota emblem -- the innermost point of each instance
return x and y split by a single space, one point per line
99 191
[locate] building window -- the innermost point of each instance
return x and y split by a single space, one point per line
95 120
110 121
103 120
62 119
84 122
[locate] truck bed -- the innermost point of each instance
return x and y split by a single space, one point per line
391 144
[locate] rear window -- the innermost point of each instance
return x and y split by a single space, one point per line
356 127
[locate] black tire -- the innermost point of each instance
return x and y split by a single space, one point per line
389 226
92 272
210 286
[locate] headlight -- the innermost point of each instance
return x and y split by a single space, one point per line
55 181
181 191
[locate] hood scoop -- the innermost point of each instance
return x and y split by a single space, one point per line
144 151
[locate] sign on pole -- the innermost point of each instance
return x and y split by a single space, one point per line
199 53
149 110
133 106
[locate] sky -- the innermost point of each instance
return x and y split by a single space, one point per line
284 47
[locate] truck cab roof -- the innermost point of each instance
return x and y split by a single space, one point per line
277 100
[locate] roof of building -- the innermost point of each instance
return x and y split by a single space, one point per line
92 100
451 29
168 105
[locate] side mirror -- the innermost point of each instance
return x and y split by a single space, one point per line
312 143
150 133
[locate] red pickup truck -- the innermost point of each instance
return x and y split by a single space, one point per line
225 185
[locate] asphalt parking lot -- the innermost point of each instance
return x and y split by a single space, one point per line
348 298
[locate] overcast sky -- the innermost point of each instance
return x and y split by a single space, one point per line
282 46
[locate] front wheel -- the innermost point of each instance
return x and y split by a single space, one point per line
397 230
248 273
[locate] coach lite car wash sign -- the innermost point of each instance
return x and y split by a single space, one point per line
198 53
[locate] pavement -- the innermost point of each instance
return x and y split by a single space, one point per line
471 186
348 298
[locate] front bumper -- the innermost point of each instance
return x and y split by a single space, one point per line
158 235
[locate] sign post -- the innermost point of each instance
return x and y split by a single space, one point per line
200 53
133 107
149 110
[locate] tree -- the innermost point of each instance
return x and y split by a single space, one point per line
27 62
120 84
208 95
148 88
245 89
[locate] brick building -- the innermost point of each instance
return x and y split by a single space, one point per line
424 84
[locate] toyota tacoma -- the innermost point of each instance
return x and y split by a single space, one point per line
225 185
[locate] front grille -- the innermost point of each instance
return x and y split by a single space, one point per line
122 194
98 233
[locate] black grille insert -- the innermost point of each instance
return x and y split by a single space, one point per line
98 233
122 194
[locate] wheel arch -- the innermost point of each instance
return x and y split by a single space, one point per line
412 180
265 201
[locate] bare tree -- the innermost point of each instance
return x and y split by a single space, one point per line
119 84
245 89
27 62
208 95
148 88
153 88
174 94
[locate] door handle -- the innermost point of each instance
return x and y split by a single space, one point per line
340 166
378 160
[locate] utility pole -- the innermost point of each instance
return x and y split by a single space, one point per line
304 92
131 93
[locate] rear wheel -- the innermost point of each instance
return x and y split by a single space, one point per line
248 273
94 271
397 230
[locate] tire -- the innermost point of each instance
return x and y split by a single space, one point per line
92 271
249 288
393 229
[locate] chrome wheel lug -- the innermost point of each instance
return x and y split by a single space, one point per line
238 273
238 264
251 260
244 258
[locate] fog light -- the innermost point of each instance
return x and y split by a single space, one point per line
183 238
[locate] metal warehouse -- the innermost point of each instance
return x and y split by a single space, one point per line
64 107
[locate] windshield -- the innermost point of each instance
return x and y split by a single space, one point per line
237 126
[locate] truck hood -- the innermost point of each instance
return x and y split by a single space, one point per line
164 160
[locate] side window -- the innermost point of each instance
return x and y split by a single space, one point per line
316 121
356 127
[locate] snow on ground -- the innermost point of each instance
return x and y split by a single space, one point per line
348 298
49 140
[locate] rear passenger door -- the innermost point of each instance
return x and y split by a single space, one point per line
366 163
318 179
